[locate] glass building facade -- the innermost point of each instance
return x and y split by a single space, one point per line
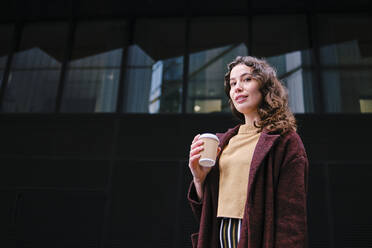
177 65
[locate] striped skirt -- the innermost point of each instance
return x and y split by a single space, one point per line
230 232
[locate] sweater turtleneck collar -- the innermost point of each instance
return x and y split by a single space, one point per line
248 129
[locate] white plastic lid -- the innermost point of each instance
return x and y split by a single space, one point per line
209 135
207 162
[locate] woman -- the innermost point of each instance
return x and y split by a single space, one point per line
255 195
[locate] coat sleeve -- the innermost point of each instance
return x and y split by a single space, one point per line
195 203
290 210
192 197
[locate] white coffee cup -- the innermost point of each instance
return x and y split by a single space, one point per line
209 154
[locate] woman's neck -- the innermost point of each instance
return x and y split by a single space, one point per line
251 118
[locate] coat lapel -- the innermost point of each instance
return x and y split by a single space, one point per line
264 144
215 172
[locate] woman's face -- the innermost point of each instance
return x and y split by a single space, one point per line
245 91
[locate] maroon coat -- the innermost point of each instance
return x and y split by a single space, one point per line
275 212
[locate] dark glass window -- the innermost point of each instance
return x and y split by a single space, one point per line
5 46
276 5
210 52
154 67
346 63
35 70
213 7
93 73
284 42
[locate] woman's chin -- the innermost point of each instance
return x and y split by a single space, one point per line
246 110
243 109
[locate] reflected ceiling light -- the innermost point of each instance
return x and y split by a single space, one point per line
197 108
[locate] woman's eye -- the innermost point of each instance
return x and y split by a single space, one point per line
247 79
233 83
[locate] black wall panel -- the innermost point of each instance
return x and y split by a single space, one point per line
351 186
56 136
110 180
145 203
318 207
60 219
54 173
7 217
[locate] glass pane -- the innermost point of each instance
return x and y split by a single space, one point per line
206 78
212 7
295 70
285 47
93 73
35 70
279 34
5 46
279 5
154 67
346 63
210 54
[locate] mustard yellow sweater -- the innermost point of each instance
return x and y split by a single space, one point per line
235 162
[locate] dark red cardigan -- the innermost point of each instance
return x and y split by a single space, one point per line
275 212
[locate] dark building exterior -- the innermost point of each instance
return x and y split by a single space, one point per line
100 100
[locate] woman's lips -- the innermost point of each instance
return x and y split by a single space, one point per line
240 98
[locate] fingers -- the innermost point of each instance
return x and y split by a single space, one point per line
196 150
196 138
194 159
196 144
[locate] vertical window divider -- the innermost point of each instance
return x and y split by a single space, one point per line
17 34
108 190
329 205
123 67
107 212
66 59
314 45
186 66
250 27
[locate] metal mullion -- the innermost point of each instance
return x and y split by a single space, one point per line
124 67
178 223
108 190
186 60
250 28
60 189
318 99
67 58
115 139
329 205
18 28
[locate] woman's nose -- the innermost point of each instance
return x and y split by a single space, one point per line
238 86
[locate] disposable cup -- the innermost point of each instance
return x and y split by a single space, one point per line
209 154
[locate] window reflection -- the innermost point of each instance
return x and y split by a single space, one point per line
295 70
286 48
154 67
92 83
366 105
152 86
153 64
206 77
35 70
347 78
346 63
5 43
93 73
214 42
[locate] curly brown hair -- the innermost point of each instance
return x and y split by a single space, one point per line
274 112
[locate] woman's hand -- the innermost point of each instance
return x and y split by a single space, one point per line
199 172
